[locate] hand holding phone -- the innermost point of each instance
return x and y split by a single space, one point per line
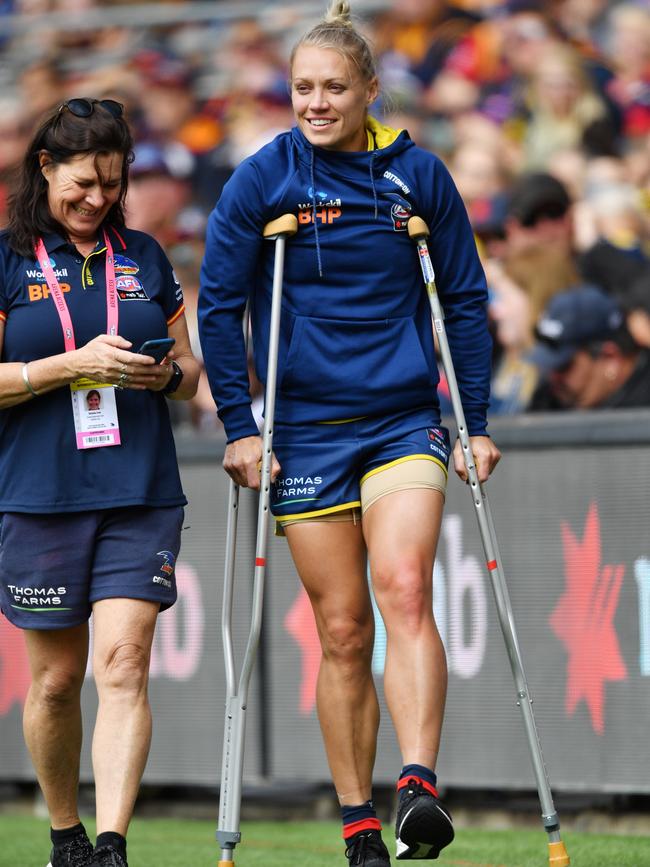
157 348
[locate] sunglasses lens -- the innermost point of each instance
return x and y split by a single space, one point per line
112 107
79 107
84 107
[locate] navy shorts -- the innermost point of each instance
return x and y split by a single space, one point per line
53 567
323 464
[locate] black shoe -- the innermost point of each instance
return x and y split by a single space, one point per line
367 849
77 852
107 856
423 825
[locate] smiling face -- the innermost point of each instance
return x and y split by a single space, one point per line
82 191
330 99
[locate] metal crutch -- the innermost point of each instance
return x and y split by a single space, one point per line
558 857
228 833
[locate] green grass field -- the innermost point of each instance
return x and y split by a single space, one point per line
175 843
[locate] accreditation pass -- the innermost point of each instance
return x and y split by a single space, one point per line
94 410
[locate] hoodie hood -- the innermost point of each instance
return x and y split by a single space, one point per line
383 141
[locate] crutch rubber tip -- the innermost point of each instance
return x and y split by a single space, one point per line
557 855
287 224
417 228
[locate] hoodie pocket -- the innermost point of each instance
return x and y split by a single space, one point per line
354 364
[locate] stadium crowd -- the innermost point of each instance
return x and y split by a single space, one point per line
541 111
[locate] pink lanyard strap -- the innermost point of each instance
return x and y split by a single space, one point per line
112 313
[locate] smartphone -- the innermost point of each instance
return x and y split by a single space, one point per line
158 348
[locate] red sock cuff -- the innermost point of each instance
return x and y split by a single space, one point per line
401 784
353 828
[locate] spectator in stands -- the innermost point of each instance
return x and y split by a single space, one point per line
614 267
538 212
587 356
515 378
480 177
630 53
563 104
521 287
416 36
636 306
492 65
159 190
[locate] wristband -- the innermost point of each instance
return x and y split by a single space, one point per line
175 380
28 385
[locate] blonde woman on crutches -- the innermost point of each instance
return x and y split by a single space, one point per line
360 464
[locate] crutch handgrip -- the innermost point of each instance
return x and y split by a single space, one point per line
287 224
417 228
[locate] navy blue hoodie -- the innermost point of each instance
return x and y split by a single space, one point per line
356 335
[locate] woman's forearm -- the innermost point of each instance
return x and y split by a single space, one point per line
42 374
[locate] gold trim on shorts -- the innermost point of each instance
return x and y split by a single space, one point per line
397 461
330 514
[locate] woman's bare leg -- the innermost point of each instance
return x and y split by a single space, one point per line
331 561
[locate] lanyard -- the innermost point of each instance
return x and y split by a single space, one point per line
59 299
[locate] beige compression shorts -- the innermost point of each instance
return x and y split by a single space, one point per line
408 475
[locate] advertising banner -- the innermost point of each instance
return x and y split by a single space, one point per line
572 519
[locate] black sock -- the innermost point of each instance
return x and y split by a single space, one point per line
112 838
61 836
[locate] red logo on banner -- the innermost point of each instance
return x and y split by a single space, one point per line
15 676
301 626
583 620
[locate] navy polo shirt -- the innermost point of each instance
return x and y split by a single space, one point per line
41 469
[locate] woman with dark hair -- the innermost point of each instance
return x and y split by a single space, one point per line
361 459
90 514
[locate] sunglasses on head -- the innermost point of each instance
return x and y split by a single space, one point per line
82 107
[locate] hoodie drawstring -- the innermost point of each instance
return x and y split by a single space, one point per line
313 202
313 215
372 183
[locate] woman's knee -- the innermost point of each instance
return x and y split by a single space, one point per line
57 686
404 594
123 667
346 639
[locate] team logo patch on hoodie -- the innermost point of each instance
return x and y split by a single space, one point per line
400 212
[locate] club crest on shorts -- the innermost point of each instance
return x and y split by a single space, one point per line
166 569
438 443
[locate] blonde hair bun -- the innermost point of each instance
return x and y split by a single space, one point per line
338 13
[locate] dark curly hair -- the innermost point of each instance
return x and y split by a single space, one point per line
64 136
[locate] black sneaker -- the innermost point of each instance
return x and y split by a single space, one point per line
107 856
75 853
423 825
367 849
